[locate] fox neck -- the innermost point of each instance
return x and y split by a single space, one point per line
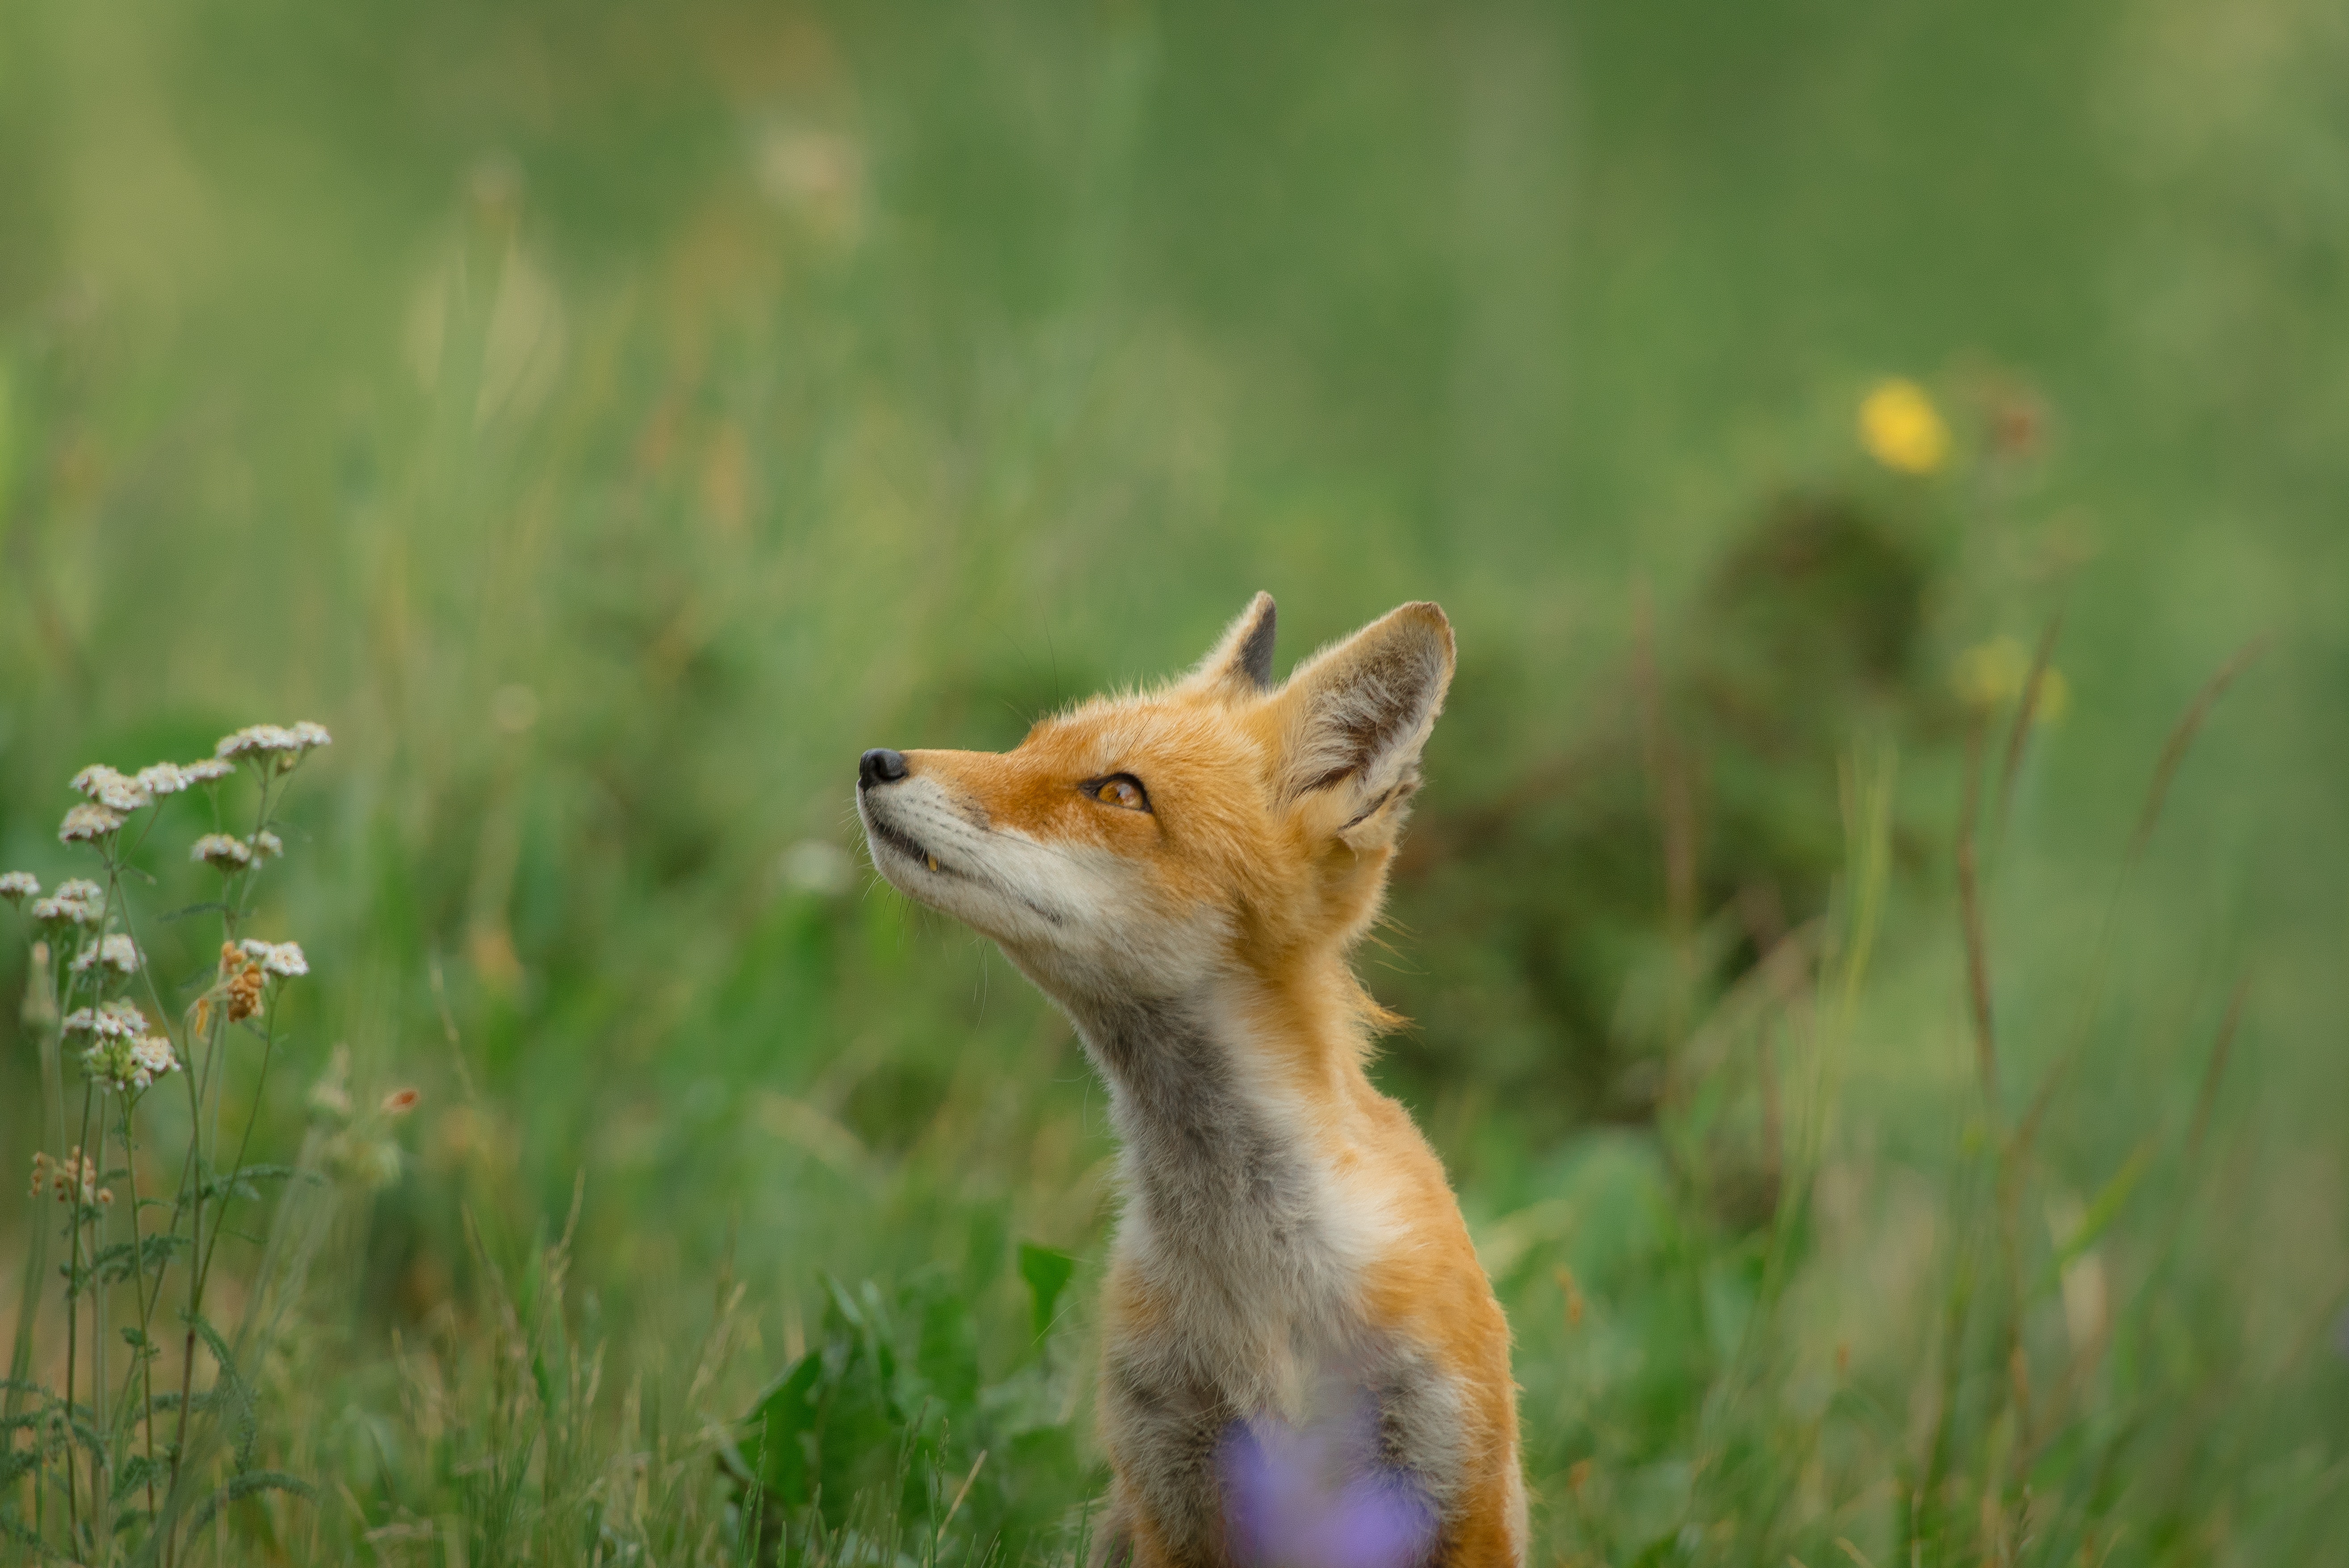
1224 1101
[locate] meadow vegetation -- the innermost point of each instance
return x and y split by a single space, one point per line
1872 932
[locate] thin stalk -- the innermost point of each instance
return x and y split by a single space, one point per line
73 1327
191 1183
2027 712
145 1349
1978 985
244 1141
100 1511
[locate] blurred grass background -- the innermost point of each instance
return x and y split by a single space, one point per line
610 421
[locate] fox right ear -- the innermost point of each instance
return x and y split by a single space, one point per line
1358 713
1240 664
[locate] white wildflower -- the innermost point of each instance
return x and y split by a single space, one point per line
18 886
102 784
116 1020
115 952
312 735
211 771
76 902
267 845
256 739
221 852
163 778
124 1064
282 958
87 824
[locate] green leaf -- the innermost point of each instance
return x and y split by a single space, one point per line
230 1389
202 1401
1047 1274
786 1414
15 1531
115 1264
947 1356
239 1182
136 1471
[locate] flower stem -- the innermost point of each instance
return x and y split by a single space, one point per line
145 1350
73 1330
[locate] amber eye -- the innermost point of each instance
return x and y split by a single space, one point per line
1119 789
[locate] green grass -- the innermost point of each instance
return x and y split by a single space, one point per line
610 426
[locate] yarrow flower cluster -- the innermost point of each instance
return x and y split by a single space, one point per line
261 741
281 958
74 1176
242 976
109 795
127 1065
162 778
116 1019
220 852
115 951
112 790
88 824
76 902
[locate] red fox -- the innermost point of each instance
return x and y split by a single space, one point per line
1303 1365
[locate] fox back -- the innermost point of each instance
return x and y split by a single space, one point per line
1303 1361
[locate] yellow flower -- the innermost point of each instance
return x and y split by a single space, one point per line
1902 429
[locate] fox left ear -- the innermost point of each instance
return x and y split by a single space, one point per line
1240 664
1360 713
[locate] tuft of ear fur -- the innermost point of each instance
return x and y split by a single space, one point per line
1359 714
1240 664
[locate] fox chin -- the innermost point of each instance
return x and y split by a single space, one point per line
1302 1362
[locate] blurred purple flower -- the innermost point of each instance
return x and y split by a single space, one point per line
1319 1499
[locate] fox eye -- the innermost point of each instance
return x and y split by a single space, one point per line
1119 789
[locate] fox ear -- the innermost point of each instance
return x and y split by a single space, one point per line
1359 712
1240 664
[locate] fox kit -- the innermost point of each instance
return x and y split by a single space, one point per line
1303 1365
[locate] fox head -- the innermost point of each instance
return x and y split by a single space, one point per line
1144 847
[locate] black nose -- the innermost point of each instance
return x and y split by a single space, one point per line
879 765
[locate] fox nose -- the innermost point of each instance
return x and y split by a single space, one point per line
879 765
